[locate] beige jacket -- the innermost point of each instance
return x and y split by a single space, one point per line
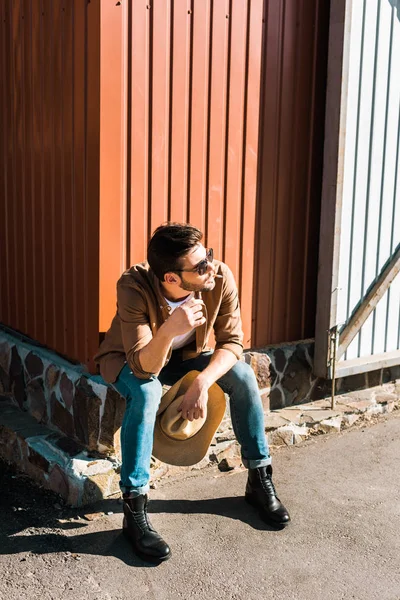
142 309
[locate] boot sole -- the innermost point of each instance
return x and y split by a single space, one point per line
250 500
145 557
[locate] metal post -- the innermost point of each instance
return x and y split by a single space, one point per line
332 360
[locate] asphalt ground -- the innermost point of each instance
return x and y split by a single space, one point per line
343 493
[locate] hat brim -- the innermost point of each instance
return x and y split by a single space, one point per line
188 452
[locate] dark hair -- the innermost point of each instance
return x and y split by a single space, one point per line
168 244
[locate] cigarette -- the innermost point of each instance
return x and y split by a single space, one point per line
219 276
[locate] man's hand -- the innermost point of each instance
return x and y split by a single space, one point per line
194 403
186 317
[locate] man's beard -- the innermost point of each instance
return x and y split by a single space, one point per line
192 287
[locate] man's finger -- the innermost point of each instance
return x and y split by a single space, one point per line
199 322
194 302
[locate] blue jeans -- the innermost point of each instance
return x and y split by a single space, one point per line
143 398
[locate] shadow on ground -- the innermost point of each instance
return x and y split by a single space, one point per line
34 520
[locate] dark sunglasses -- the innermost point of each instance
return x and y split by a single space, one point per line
201 267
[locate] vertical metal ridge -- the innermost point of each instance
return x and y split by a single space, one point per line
129 125
73 189
15 306
276 186
24 320
367 199
63 177
226 128
360 78
388 87
190 108
84 338
33 299
309 171
395 204
7 120
243 158
260 179
169 109
52 166
207 187
293 170
42 171
150 122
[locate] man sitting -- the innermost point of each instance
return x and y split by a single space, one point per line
166 309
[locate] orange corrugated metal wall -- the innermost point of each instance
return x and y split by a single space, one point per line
198 146
290 174
198 110
49 170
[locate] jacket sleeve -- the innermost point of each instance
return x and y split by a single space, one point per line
228 324
135 327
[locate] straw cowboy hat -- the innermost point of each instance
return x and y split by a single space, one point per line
181 442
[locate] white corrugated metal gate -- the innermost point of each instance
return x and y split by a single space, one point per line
358 312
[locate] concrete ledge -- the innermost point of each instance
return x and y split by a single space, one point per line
53 460
58 463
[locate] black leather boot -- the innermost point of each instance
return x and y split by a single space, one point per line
261 493
146 542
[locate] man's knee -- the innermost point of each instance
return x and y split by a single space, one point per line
144 394
242 372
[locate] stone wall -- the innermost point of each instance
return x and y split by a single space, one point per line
65 398
285 377
60 395
74 419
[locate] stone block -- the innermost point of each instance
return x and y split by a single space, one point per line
384 398
67 390
316 416
280 360
36 400
228 464
300 434
4 381
38 460
375 409
360 405
9 447
111 421
86 408
100 486
69 446
293 415
296 379
5 356
329 425
321 388
52 377
229 449
17 379
276 399
264 395
281 437
33 365
350 419
260 363
61 417
58 482
273 420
